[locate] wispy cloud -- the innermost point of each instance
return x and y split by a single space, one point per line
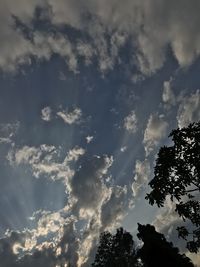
8 131
155 130
168 95
46 160
142 174
189 109
131 122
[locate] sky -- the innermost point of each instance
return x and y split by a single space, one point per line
89 92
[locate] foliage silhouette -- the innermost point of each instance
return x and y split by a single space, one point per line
116 250
177 174
157 252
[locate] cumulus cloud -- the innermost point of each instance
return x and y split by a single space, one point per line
189 109
130 122
154 132
46 114
142 173
70 117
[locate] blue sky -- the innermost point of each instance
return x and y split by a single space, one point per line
88 93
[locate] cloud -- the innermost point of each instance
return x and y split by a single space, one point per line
142 173
46 114
62 249
89 139
31 155
189 109
70 117
86 51
44 45
55 239
154 132
45 160
130 122
8 132
166 218
123 148
152 27
195 258
168 96
115 208
7 248
89 178
93 203
14 47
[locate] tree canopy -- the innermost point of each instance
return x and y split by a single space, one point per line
115 250
118 250
157 252
177 175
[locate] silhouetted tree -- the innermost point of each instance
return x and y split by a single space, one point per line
115 250
157 252
177 174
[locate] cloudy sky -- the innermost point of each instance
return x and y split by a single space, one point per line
89 91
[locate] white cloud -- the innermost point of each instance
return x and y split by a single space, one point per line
89 139
45 160
123 149
31 155
168 96
189 109
70 117
154 132
130 122
46 113
142 173
166 218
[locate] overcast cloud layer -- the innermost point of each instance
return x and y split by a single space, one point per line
89 92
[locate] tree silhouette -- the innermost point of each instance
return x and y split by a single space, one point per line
115 250
177 174
157 252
